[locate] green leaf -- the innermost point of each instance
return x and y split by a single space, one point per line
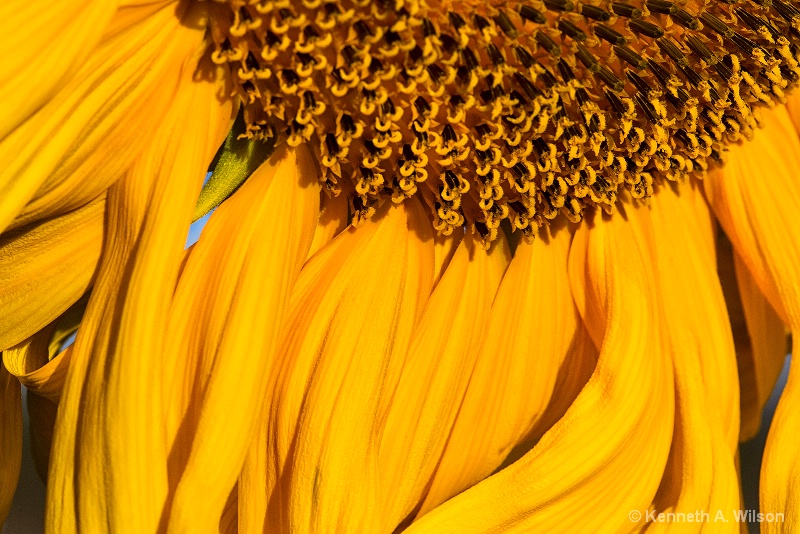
234 162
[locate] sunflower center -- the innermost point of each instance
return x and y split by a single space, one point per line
505 109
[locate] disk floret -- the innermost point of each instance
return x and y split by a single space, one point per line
506 110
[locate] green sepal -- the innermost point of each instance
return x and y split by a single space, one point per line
233 164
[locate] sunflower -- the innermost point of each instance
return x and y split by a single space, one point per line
472 266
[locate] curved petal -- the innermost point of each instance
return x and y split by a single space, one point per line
693 299
224 326
575 371
10 439
701 473
354 309
89 133
46 267
758 333
105 443
35 66
435 375
759 214
31 364
605 457
530 332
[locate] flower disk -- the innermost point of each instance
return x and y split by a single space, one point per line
506 109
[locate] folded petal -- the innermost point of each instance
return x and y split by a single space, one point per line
224 327
758 334
38 364
46 43
701 473
10 439
530 332
763 357
109 467
435 376
756 199
46 267
354 309
90 132
605 457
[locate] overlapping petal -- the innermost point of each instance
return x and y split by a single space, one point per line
90 132
758 212
10 439
224 326
440 364
35 66
763 357
758 334
332 221
113 393
605 457
354 308
289 375
531 330
701 473
46 267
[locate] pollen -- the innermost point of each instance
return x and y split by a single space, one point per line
500 109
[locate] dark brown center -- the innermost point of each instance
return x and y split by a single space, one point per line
506 109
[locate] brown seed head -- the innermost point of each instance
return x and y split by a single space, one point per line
506 109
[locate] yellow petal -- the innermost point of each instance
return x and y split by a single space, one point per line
106 443
89 133
253 493
605 457
576 370
758 334
45 268
10 439
531 329
765 353
732 205
354 309
224 326
46 42
692 296
435 376
33 365
701 473
229 522
756 199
